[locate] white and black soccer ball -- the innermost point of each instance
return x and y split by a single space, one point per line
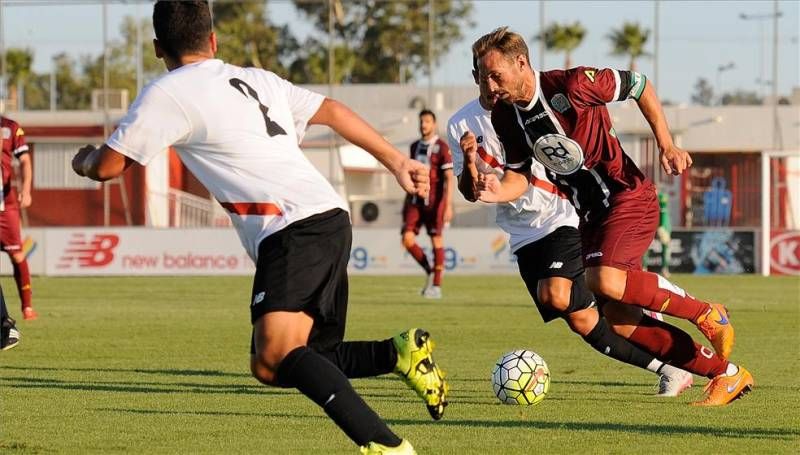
521 377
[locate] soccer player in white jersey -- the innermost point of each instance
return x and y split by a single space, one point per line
238 129
542 225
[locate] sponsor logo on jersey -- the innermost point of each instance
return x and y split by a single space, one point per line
6 132
556 265
596 254
560 103
94 252
259 298
558 153
590 75
536 117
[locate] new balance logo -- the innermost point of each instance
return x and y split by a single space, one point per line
556 265
89 253
258 298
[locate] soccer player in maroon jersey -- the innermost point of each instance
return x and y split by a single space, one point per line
434 211
560 119
14 146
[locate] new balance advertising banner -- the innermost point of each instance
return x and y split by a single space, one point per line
145 251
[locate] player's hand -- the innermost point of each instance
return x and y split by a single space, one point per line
414 178
469 147
79 161
675 160
488 186
24 199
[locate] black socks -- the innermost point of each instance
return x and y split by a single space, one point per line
321 381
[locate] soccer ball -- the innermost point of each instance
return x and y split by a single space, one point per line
521 377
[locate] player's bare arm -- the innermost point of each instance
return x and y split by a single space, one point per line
674 160
412 175
448 195
26 169
510 187
99 164
467 181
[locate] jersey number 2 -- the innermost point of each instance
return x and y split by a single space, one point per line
273 129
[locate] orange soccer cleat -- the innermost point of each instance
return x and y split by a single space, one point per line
715 326
725 389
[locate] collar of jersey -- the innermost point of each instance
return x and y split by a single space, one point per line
536 93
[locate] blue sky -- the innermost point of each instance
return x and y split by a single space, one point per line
696 36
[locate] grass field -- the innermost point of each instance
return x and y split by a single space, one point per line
160 365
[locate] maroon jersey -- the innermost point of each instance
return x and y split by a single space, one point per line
435 154
567 128
13 140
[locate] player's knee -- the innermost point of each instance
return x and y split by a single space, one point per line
263 373
582 322
18 257
264 365
606 282
437 241
408 240
553 295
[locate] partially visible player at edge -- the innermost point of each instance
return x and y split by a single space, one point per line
560 119
238 129
542 226
436 210
9 335
15 147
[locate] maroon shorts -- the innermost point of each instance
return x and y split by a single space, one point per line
10 239
621 238
415 215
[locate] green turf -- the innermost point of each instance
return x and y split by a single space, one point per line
160 365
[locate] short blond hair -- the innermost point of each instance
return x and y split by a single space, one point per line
508 43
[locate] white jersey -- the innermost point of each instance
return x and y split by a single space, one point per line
540 210
237 129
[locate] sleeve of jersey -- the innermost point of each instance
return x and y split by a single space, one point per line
454 142
154 122
19 143
517 154
447 157
600 86
303 104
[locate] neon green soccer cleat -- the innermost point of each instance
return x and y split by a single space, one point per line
416 366
373 448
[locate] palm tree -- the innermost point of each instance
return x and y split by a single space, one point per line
18 70
563 37
629 40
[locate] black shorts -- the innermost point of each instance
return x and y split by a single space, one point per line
558 254
303 267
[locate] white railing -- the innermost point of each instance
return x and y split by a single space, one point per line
189 210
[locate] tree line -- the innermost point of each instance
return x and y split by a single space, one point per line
373 42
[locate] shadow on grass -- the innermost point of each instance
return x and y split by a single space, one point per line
705 431
141 387
213 413
165 372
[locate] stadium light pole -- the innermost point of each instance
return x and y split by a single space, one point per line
656 39
760 18
721 69
541 41
53 82
430 53
4 87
